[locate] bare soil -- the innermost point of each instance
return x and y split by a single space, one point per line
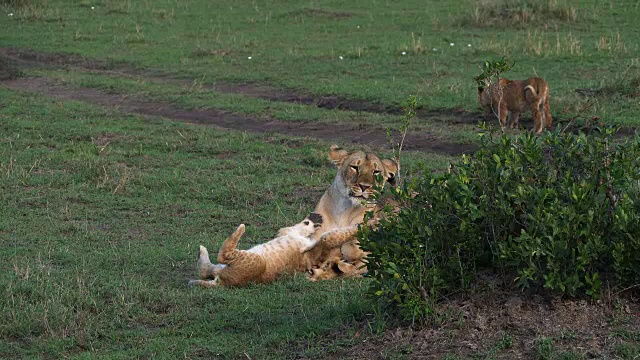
336 102
502 325
31 59
342 133
375 137
322 13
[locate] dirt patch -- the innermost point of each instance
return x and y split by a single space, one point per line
271 93
33 59
321 13
354 134
8 70
211 52
509 325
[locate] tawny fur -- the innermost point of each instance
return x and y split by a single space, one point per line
349 197
328 255
510 98
328 249
331 246
335 269
262 263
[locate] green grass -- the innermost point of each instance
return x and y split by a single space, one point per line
103 215
198 97
299 44
102 212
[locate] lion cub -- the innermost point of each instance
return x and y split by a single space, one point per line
262 263
514 97
325 257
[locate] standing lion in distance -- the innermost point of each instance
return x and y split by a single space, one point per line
514 97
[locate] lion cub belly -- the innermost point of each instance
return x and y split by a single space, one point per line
282 255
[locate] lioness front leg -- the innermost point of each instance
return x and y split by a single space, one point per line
502 115
547 113
539 122
514 119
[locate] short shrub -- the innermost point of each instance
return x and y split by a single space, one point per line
558 212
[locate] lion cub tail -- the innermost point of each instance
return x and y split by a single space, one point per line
228 250
532 94
536 90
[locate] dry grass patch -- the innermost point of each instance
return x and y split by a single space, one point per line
546 44
31 10
18 3
624 85
611 43
519 13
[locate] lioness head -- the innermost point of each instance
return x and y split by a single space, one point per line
360 171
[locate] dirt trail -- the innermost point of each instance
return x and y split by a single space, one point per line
335 132
12 60
32 59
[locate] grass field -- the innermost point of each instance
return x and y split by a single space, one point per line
106 197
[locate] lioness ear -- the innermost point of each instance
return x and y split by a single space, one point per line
391 168
337 155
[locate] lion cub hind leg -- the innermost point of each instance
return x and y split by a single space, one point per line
546 112
242 267
246 268
350 270
337 269
503 112
207 270
538 117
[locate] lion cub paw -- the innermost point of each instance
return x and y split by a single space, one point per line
204 283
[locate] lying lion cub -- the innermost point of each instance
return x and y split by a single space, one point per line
514 97
286 254
262 263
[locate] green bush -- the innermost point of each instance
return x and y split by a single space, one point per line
558 211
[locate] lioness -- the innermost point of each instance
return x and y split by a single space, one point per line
346 201
514 97
324 243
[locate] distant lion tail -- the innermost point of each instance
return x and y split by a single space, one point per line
533 90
